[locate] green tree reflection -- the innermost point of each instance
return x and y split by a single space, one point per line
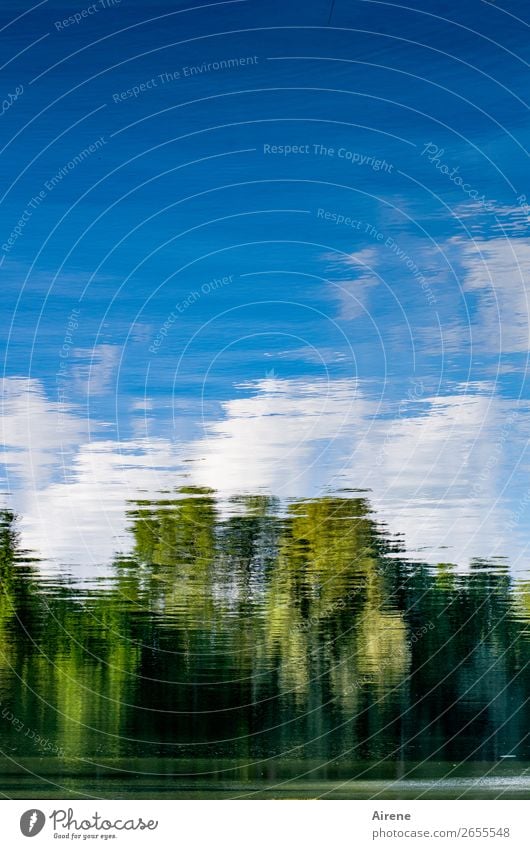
246 628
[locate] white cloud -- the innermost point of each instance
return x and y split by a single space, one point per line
98 373
71 492
503 218
280 438
498 272
38 436
353 295
435 466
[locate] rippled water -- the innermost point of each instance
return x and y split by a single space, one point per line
264 399
254 647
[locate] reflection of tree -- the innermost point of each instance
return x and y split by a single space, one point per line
67 661
20 603
298 612
8 541
329 583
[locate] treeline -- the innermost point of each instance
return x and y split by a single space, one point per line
247 629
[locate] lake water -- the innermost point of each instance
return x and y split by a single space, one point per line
264 402
253 648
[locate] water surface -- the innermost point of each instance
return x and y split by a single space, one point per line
254 648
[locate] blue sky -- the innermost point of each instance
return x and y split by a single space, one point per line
291 247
